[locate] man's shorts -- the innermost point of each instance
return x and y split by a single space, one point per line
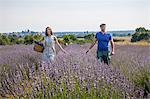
104 56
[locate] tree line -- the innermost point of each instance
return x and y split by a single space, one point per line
140 34
29 39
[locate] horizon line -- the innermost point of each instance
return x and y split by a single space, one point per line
72 30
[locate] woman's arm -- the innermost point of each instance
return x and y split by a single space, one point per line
56 40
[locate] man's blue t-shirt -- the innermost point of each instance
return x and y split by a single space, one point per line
103 41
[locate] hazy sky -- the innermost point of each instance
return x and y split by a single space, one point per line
73 15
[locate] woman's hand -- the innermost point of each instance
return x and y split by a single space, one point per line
65 52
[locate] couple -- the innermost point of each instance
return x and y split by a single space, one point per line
102 37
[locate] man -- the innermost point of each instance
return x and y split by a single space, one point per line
103 38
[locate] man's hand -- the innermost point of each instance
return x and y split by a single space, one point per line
87 51
112 53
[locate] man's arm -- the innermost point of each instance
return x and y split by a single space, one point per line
112 46
95 40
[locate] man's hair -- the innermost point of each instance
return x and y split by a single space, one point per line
102 25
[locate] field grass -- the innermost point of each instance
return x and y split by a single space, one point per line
127 41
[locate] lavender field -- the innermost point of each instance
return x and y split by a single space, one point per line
75 75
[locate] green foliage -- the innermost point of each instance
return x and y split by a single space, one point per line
28 39
140 29
37 37
14 39
10 39
89 36
20 41
61 41
69 38
141 34
4 40
72 37
66 39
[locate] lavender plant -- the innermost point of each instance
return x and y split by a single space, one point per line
73 75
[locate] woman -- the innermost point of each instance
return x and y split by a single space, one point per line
49 46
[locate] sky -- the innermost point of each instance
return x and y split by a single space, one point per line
73 15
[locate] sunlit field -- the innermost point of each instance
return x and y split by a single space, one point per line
126 40
75 75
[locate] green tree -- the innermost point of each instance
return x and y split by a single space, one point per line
89 36
28 39
4 40
141 34
20 41
69 38
12 38
140 29
37 37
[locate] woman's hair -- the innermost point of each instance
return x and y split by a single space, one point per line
48 28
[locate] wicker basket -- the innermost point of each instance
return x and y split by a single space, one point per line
38 48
